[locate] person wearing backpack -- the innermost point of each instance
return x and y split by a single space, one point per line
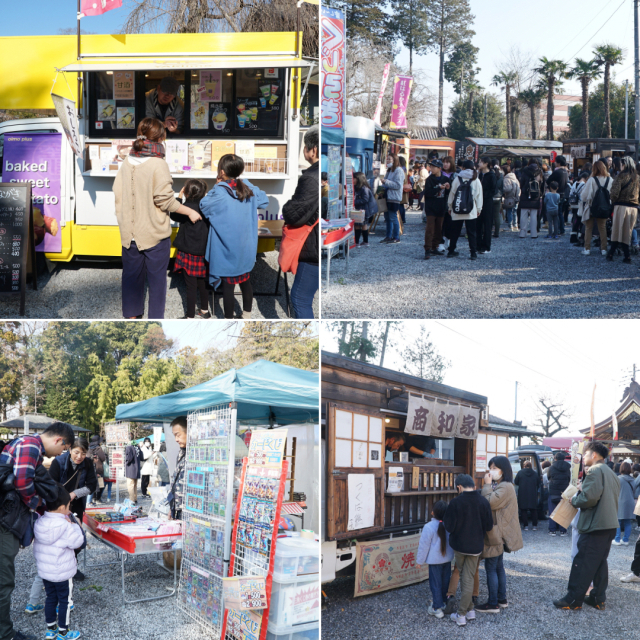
532 188
576 205
561 175
511 189
596 206
465 204
484 223
624 195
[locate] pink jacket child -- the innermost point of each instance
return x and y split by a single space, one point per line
56 537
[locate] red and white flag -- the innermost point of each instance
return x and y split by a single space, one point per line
614 422
98 7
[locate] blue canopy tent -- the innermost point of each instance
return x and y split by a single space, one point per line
265 393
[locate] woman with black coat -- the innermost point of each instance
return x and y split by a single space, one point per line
304 210
363 200
77 474
528 482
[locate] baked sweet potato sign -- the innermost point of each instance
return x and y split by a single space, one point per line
35 158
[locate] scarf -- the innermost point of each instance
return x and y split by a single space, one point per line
149 150
232 183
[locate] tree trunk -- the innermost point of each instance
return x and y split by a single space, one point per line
384 343
411 43
534 117
507 99
471 99
441 82
362 356
585 107
607 114
550 110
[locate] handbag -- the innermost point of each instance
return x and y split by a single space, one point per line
100 482
382 205
293 240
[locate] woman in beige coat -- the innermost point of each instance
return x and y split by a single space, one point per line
144 199
624 195
506 535
599 178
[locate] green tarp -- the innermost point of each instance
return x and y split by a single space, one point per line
263 390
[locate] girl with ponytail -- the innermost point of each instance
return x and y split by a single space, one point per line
434 550
232 210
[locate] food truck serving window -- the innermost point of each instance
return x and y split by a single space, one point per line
216 103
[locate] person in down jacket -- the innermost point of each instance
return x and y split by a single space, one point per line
56 538
232 210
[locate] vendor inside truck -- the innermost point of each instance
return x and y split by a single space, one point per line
164 104
422 446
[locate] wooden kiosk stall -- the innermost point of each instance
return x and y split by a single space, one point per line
580 152
367 499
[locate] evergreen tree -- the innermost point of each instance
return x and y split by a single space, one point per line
366 19
459 68
469 123
409 22
421 358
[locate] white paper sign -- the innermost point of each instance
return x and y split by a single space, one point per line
157 437
246 150
396 480
419 415
362 500
66 110
468 423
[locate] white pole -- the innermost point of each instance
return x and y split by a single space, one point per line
626 110
26 424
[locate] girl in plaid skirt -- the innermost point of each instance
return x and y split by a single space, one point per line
191 243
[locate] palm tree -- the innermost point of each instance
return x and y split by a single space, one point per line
532 98
585 71
608 55
505 80
552 73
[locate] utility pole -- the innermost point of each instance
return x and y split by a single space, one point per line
636 68
515 417
626 110
485 114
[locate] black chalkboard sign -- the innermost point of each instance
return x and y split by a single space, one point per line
16 240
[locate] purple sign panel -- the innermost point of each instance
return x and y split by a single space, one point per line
36 158
401 91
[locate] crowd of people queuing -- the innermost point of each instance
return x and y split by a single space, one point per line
216 245
46 482
530 197
487 523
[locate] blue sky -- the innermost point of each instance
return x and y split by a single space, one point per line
45 17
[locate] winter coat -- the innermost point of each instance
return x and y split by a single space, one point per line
405 194
578 187
476 192
99 457
511 187
435 199
177 486
598 500
467 519
233 234
132 466
81 480
561 176
364 200
147 467
530 173
506 534
589 192
559 475
528 481
192 236
303 210
625 188
393 182
489 185
627 498
430 547
53 547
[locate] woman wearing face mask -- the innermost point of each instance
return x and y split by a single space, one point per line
393 183
506 535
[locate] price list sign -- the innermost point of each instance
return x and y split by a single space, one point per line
245 593
16 240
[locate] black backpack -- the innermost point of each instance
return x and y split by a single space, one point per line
532 190
463 201
601 204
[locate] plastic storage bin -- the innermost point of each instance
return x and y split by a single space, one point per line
296 601
309 631
295 557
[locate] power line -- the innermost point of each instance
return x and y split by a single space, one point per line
581 30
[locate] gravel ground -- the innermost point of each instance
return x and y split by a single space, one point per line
101 614
93 290
520 278
536 575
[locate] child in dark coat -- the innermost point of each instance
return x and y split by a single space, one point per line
191 243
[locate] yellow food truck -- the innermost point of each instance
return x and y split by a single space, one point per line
239 92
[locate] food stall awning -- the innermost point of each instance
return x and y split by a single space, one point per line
517 153
263 390
143 63
505 142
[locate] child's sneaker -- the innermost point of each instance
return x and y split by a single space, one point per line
471 615
69 635
51 634
34 608
461 621
435 612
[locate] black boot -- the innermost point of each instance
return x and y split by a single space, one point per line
625 249
612 250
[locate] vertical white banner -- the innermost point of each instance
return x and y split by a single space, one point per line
362 500
385 77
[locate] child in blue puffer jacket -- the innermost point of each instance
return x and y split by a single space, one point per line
434 550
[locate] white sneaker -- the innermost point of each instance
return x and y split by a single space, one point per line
441 247
632 577
603 252
435 612
617 543
446 243
586 252
626 544
461 621
471 615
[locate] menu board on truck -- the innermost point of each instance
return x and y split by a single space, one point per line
16 235
220 118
